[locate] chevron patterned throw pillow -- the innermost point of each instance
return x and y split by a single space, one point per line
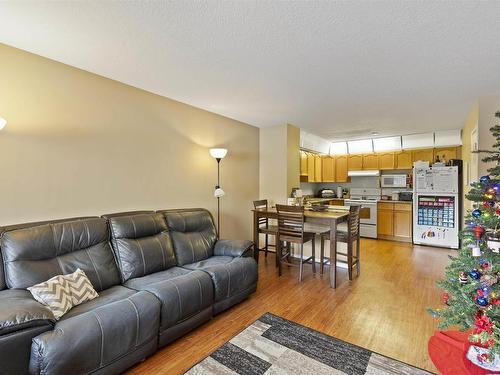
62 292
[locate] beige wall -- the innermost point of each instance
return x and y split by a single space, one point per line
488 105
279 162
293 158
470 166
80 144
273 161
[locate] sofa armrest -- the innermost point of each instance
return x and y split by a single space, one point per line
234 248
19 310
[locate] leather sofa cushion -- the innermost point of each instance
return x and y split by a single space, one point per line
113 294
183 293
142 244
33 255
234 248
193 234
19 310
7 228
229 275
88 342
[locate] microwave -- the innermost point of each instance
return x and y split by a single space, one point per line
393 180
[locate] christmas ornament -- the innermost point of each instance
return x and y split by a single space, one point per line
496 187
493 242
484 179
482 301
475 274
445 298
485 290
463 278
476 251
476 213
478 231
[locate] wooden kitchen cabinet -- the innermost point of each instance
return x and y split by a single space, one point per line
341 168
385 213
386 160
403 160
328 169
318 173
370 161
355 162
445 154
394 221
311 170
402 221
303 163
426 154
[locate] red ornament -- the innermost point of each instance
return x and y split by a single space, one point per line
498 211
495 301
483 323
478 231
445 298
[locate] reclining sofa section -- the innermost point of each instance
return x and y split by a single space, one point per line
158 275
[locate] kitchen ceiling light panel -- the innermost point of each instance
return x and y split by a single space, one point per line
448 138
362 146
338 148
418 140
387 144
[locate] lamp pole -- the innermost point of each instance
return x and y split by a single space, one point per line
218 198
218 154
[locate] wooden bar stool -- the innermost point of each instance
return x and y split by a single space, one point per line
348 236
266 229
291 230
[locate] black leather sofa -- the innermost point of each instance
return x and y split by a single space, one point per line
158 275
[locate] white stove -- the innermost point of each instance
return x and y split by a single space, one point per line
367 198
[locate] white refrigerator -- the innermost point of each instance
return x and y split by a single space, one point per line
436 206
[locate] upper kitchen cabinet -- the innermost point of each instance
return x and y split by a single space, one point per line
318 172
370 161
355 162
328 169
311 170
341 168
403 160
445 154
425 154
303 163
386 160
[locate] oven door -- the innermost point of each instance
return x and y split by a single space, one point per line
367 217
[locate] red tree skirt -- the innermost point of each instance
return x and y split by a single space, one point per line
448 350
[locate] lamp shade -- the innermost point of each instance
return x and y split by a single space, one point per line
3 122
218 193
218 153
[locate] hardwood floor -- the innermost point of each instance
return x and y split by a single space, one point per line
383 310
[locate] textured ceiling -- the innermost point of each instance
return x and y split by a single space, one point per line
336 69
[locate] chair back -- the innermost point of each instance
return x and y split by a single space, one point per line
353 221
261 204
290 223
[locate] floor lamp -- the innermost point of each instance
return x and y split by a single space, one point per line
218 154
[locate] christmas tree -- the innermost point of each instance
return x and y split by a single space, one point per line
472 287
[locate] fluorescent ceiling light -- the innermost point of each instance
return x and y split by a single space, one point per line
387 144
338 148
360 147
448 138
363 173
418 140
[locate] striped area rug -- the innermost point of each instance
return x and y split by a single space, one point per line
273 345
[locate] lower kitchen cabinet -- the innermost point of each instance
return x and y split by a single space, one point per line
394 221
384 219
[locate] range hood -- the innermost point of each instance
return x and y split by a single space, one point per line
368 173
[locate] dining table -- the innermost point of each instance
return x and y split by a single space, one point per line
333 216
